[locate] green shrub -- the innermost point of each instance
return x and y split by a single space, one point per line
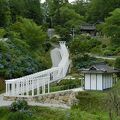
117 51
16 60
91 101
83 61
19 105
104 45
96 50
117 63
108 53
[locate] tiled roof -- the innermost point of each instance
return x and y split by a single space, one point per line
100 68
88 27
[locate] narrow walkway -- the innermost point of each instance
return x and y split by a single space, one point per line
64 106
4 103
103 57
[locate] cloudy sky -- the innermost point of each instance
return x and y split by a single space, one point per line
69 0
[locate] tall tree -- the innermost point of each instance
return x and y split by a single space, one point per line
34 10
30 32
5 14
111 27
52 10
18 8
26 8
99 9
80 7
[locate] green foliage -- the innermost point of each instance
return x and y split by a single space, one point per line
26 8
77 114
69 17
5 14
91 101
83 61
66 84
80 7
15 59
19 105
17 116
83 44
2 32
2 85
78 47
111 27
117 51
42 113
63 32
108 53
98 10
30 32
117 63
3 112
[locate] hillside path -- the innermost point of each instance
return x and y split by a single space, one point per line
4 103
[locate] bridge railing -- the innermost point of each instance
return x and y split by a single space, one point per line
36 83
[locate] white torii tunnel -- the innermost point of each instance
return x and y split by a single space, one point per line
35 84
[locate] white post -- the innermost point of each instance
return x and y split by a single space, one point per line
27 87
21 87
38 87
17 87
43 88
48 85
32 87
6 88
13 88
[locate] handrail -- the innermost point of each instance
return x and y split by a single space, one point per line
36 83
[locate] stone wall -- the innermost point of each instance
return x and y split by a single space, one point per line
66 97
62 97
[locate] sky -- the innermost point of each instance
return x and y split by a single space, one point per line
69 0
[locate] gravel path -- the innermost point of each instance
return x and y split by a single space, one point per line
4 102
8 103
64 106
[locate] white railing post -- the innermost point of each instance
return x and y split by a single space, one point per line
27 87
43 87
48 85
13 88
32 87
38 86
39 80
8 90
18 87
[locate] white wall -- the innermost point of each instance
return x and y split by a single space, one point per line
107 81
99 82
93 82
87 81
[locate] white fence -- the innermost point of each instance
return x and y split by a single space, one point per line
36 84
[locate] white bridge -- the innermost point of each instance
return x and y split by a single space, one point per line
39 83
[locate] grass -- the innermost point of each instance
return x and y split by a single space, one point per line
44 113
65 85
90 107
